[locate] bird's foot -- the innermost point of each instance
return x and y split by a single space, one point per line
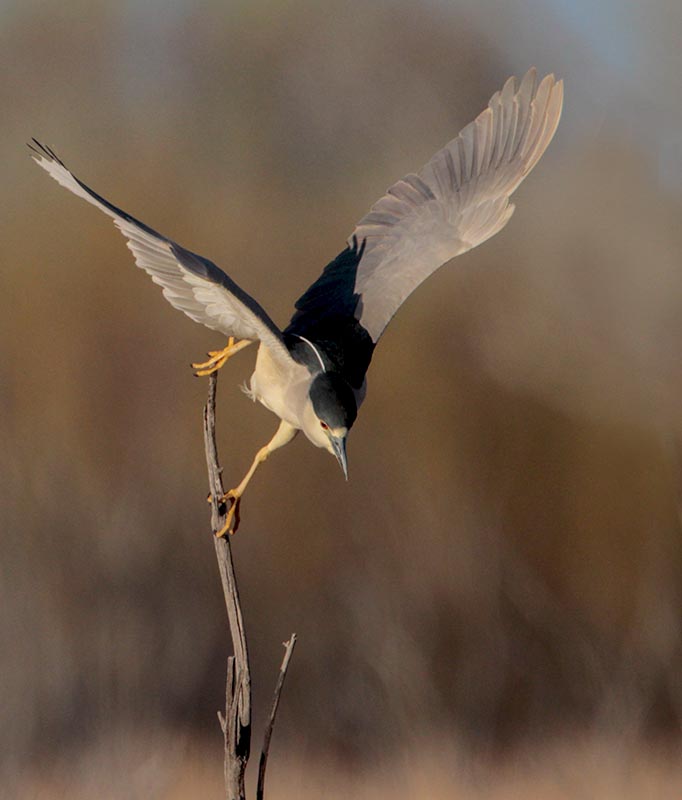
232 518
218 358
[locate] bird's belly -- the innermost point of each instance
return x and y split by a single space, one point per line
281 387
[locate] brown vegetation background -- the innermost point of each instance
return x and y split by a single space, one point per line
494 599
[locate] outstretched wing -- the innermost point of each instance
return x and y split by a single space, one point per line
191 283
455 202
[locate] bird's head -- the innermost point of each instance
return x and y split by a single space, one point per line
333 412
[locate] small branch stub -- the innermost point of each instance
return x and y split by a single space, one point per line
289 649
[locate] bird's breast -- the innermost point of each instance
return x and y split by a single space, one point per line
281 386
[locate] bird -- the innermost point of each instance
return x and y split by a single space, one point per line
312 374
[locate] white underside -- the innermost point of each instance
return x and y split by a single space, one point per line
283 389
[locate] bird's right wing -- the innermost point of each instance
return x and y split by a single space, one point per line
455 202
190 283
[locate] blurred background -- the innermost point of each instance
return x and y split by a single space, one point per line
491 606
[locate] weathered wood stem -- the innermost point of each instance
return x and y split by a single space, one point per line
236 721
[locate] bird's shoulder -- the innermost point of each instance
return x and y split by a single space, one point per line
334 343
325 333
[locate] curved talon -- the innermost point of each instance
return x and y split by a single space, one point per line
217 358
232 518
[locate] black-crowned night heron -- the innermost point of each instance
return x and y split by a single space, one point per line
312 374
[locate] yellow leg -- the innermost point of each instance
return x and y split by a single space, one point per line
219 357
285 433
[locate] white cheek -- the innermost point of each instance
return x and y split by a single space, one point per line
313 430
326 443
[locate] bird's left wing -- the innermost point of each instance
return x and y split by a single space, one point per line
455 202
190 283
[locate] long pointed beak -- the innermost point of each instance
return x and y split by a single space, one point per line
339 445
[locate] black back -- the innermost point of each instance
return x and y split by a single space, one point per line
326 316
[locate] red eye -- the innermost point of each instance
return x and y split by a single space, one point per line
324 425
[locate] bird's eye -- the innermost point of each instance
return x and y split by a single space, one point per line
324 426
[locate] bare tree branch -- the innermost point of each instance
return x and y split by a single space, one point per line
236 723
273 713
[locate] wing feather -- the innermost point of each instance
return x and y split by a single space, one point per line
190 283
456 201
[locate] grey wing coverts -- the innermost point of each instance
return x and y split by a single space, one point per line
190 283
456 201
